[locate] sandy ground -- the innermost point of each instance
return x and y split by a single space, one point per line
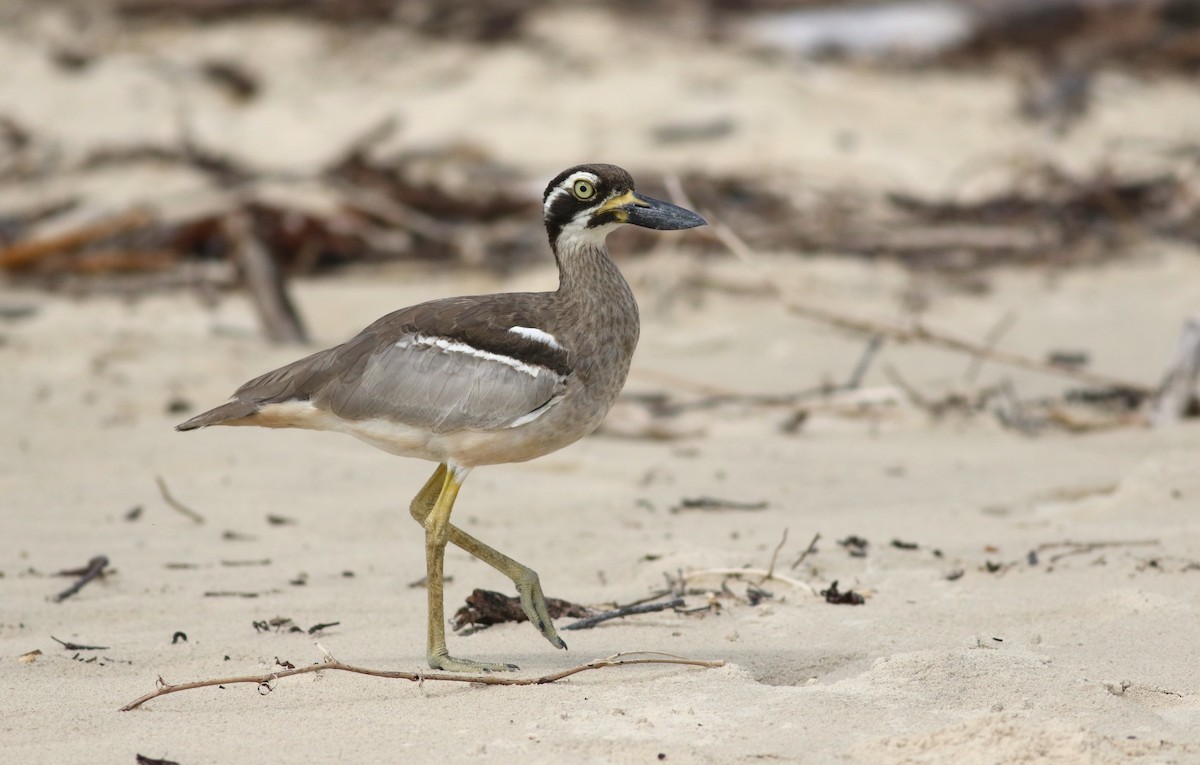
1090 657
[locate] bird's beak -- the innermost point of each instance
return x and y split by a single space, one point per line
648 212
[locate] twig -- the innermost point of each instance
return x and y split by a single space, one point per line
923 334
266 281
989 342
775 556
78 646
914 396
1083 548
176 504
94 569
265 681
739 573
715 503
812 548
645 608
874 345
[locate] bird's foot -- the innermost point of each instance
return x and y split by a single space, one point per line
533 603
448 663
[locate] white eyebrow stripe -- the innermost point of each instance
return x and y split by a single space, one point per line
453 346
537 335
565 187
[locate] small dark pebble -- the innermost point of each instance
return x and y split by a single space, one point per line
992 567
900 544
855 545
1032 558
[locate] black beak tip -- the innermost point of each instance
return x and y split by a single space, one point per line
662 216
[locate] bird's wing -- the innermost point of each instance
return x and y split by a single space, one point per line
443 385
444 366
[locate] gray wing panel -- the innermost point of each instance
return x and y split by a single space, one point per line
444 387
303 378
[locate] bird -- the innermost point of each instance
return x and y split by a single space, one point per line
481 380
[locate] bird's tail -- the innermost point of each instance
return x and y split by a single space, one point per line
225 414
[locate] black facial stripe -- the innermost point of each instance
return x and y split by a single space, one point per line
604 218
561 211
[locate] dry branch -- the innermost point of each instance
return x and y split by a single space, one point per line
26 253
265 681
623 611
922 334
280 320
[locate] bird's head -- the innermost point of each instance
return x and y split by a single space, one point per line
586 202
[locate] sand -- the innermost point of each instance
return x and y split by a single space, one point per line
966 649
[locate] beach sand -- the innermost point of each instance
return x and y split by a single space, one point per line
1049 611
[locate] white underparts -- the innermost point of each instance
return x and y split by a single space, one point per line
538 335
453 346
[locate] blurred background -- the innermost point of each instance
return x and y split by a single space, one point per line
204 146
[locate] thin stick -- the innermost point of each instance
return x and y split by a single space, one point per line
864 362
78 646
176 504
923 334
989 341
775 556
743 572
265 681
94 569
617 613
812 548
1083 548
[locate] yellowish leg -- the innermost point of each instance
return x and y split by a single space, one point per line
533 601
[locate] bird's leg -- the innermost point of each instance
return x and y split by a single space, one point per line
533 601
437 527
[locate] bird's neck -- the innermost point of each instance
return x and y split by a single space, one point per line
588 278
599 302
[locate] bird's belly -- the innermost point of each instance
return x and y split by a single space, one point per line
563 424
560 427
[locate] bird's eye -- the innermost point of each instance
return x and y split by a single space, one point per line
583 189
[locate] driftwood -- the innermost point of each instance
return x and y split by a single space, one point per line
266 281
26 253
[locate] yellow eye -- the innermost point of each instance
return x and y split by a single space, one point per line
583 189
